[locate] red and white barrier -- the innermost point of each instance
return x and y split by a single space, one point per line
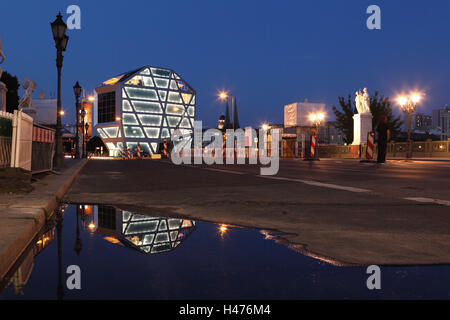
165 153
370 145
139 151
313 146
43 135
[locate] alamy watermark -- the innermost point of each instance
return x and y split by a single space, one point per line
374 20
240 145
374 280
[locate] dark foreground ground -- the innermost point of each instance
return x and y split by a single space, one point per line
337 210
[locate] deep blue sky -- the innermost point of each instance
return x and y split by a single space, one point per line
268 53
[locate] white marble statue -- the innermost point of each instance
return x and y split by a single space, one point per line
26 101
362 101
2 56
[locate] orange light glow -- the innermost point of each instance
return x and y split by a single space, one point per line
416 97
61 112
91 226
117 118
223 95
91 98
402 100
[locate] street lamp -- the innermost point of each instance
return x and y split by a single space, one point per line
224 96
83 114
59 35
409 105
77 92
87 136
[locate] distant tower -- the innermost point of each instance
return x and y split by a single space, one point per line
236 120
221 125
227 124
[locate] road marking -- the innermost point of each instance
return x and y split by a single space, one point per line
430 200
227 171
320 184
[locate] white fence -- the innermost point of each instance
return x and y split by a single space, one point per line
5 138
22 139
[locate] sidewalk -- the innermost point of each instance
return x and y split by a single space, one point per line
23 215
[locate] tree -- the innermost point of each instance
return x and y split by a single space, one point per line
379 106
12 96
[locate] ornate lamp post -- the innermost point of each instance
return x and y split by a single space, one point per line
83 114
87 136
59 35
409 105
77 91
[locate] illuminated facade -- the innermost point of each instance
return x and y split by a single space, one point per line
147 234
145 106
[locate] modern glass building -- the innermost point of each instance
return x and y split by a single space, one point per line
145 105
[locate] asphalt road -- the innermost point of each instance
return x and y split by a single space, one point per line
341 211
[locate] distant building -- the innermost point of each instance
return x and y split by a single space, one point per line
144 106
297 114
420 121
441 119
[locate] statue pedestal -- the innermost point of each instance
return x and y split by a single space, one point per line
362 125
3 91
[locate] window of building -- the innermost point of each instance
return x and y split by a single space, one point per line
106 107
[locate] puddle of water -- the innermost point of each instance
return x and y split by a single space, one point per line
124 255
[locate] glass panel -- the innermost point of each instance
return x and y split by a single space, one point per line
152 132
185 123
145 71
126 106
148 82
162 83
162 237
176 76
183 86
173 121
191 111
126 215
174 224
150 120
142 227
174 97
193 100
148 239
110 146
163 95
111 131
101 133
154 146
129 118
165 133
124 94
133 132
173 235
162 226
120 145
173 85
136 81
148 107
139 93
161 72
186 224
146 147
186 97
176 109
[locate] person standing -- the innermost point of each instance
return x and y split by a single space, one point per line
384 135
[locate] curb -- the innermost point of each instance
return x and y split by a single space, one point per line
15 250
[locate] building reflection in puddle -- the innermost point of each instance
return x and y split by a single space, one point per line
144 233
